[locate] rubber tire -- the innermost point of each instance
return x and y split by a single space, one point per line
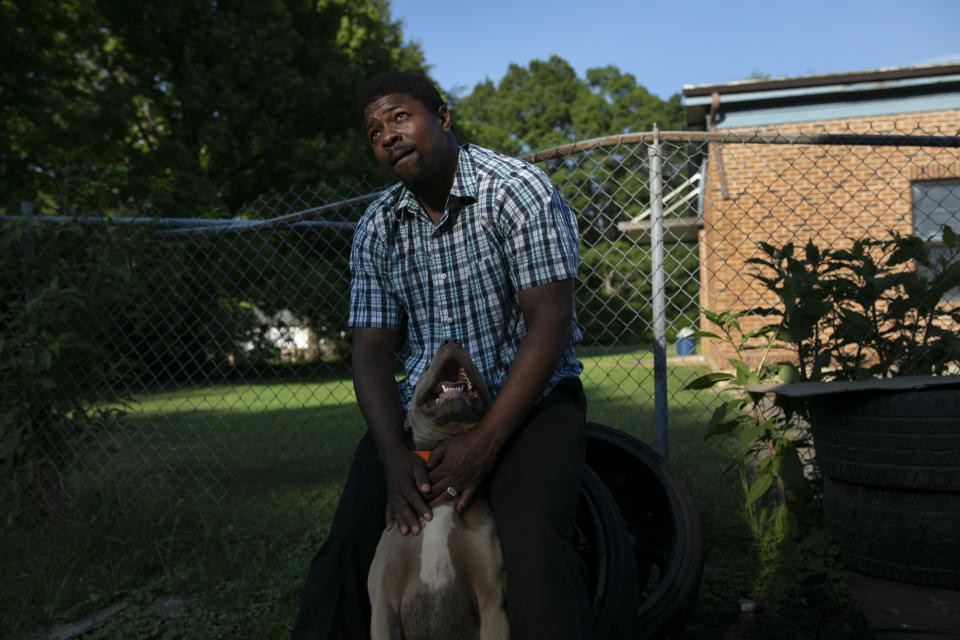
880 439
662 522
606 550
899 534
891 495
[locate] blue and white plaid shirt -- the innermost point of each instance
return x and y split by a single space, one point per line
504 229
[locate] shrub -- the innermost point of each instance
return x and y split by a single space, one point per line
54 369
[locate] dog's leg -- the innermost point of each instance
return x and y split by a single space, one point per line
384 623
384 590
491 600
486 572
493 620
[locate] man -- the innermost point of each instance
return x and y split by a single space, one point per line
478 247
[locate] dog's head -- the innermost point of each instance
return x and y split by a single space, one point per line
449 398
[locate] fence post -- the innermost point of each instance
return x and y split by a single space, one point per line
659 293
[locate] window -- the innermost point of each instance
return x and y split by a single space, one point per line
936 203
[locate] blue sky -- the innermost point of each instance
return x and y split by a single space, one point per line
667 44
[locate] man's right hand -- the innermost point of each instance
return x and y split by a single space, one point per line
407 482
379 402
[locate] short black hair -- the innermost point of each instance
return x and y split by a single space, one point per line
415 85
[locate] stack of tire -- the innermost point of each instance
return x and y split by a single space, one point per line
639 537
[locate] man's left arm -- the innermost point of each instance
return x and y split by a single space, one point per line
462 462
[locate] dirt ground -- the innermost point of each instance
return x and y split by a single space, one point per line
793 621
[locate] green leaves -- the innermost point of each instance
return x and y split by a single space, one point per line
708 380
875 308
194 105
55 372
769 436
787 465
759 488
725 419
545 104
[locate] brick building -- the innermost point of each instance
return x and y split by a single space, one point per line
775 192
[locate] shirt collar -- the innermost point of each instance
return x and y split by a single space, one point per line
464 185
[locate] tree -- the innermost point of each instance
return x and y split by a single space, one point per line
191 104
59 126
546 104
630 107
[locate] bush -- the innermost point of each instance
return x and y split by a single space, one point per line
54 369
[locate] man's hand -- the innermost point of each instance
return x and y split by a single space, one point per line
461 462
406 483
379 401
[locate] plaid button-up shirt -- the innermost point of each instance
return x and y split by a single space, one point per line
504 229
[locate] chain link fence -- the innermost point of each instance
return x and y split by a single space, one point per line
210 358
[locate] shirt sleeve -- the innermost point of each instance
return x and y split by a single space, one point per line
371 302
542 243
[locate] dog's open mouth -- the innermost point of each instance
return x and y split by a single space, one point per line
451 384
446 390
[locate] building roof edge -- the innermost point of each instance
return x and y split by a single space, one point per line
874 75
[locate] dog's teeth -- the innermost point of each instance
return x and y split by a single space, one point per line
445 389
462 374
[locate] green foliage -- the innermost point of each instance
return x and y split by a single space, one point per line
614 301
546 104
780 501
54 290
217 101
877 309
219 295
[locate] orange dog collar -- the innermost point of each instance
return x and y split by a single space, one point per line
423 453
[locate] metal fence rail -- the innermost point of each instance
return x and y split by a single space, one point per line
214 355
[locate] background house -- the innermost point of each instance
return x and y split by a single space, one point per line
782 191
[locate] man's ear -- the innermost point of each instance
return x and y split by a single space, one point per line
444 114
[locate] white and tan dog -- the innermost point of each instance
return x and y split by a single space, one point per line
448 582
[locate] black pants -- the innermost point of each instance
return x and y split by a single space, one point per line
533 492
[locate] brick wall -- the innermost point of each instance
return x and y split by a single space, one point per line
778 193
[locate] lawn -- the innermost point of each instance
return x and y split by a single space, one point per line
220 495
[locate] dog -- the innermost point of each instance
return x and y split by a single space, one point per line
448 582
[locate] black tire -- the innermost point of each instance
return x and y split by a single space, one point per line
877 438
662 522
607 552
898 534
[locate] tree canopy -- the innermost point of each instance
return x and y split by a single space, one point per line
546 104
191 104
192 107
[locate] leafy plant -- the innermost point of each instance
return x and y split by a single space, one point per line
780 500
53 296
863 312
770 445
876 309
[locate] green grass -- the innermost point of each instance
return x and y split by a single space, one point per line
223 493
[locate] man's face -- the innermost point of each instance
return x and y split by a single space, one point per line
407 138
